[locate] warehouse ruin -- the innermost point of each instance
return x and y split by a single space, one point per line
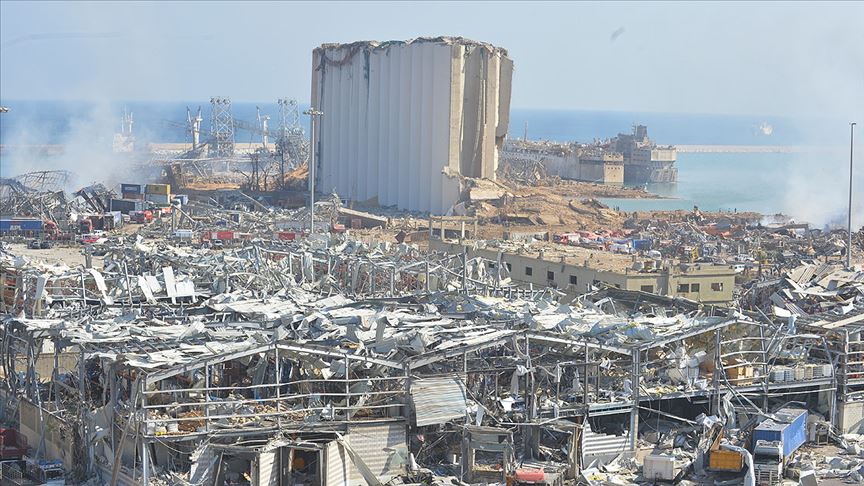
418 315
330 360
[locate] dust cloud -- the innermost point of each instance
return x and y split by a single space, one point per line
817 187
85 148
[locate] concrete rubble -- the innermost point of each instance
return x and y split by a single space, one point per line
276 356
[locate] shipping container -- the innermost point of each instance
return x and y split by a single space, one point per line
286 235
117 217
642 244
20 224
126 206
132 195
791 430
131 188
163 189
158 199
224 235
722 460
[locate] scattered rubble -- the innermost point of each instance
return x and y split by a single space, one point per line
225 343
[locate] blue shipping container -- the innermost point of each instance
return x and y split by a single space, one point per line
642 244
792 431
131 188
20 224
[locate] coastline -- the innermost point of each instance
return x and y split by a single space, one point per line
750 149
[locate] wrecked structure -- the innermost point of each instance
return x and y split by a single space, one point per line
404 122
580 270
329 361
223 344
630 158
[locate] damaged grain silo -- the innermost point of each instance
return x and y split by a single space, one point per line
405 121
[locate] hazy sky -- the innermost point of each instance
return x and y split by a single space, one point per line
772 59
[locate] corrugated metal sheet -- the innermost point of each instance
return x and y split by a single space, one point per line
382 447
267 469
337 467
438 400
602 446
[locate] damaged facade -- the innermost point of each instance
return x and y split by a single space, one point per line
404 122
329 361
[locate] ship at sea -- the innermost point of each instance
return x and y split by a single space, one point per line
629 158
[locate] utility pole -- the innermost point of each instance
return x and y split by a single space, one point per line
849 243
313 115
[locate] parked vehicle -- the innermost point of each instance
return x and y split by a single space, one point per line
142 217
85 226
89 239
34 245
774 442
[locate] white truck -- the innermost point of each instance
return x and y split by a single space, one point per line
774 442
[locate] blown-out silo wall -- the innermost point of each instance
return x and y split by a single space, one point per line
403 120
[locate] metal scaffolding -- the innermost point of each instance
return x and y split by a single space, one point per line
221 127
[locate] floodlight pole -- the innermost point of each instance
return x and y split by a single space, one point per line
849 227
313 118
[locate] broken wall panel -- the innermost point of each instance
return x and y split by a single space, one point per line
403 121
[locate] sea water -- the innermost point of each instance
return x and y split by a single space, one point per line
810 184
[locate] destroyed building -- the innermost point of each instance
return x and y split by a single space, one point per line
580 270
630 158
329 361
404 122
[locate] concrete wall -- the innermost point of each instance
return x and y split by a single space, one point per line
531 269
591 171
850 417
613 173
565 167
67 361
403 119
59 437
664 155
641 156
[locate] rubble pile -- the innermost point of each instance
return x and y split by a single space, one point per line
260 351
809 289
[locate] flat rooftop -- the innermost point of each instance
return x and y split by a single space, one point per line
600 260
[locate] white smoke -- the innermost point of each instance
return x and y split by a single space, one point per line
817 187
85 148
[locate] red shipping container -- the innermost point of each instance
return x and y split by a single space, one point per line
224 235
286 235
